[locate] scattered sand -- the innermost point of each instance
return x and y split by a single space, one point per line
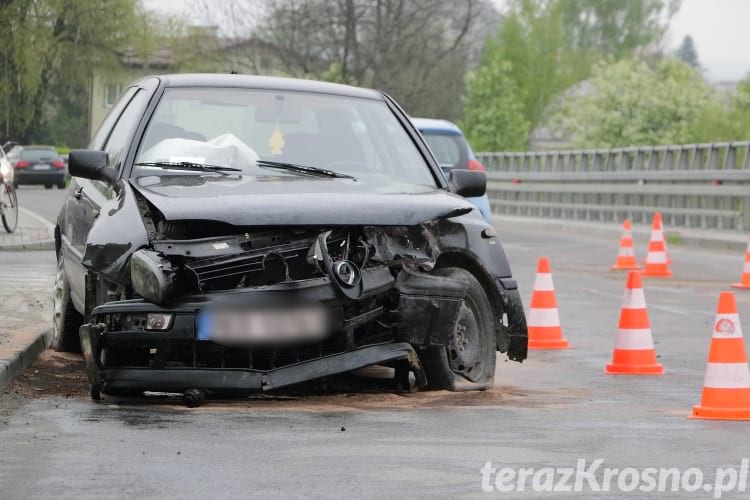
63 375
53 374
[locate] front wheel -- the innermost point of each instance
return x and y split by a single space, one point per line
467 361
66 320
9 207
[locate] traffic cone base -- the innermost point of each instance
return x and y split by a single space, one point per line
625 266
634 369
710 407
543 321
726 387
651 273
538 343
634 352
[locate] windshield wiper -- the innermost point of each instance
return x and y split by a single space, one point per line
188 165
303 169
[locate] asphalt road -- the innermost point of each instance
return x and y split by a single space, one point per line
552 410
45 202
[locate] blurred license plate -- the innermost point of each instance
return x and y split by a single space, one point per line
41 166
270 326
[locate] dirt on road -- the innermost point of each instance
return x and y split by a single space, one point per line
53 374
63 375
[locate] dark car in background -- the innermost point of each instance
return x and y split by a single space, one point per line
228 233
452 151
37 165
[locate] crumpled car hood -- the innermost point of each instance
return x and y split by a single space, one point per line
285 201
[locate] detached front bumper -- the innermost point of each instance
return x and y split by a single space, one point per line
364 332
240 380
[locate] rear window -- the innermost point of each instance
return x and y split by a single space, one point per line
449 150
38 154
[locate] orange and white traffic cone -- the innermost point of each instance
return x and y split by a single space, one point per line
745 279
543 322
657 262
634 352
726 387
625 255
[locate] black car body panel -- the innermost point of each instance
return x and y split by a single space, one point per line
109 247
338 202
216 238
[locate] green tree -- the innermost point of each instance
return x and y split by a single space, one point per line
687 53
553 44
493 112
533 42
616 28
727 118
49 50
635 102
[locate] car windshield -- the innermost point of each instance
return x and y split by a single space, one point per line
358 137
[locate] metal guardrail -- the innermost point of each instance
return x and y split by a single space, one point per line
693 185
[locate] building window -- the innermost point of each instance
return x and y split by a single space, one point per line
111 92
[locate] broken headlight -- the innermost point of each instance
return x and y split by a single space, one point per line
158 321
151 276
140 322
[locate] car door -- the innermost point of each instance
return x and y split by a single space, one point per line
87 196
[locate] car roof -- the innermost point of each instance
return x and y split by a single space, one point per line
266 82
435 125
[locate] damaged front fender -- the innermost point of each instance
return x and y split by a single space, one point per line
116 234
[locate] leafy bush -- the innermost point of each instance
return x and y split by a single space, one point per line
493 108
636 102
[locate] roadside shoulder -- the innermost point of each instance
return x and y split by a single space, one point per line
34 232
718 239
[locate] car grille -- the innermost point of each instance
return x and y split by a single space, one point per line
266 266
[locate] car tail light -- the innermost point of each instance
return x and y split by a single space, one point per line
22 164
58 164
475 165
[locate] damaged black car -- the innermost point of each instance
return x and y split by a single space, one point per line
235 234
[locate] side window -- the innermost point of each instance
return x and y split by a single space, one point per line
118 140
103 132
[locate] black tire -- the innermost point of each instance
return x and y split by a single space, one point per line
9 201
95 392
48 186
61 185
65 319
467 362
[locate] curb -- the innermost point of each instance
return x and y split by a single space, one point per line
45 244
684 239
23 358
32 245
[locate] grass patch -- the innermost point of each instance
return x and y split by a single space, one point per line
673 238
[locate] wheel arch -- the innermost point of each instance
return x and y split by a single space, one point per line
460 259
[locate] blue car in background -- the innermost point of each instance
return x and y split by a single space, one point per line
452 150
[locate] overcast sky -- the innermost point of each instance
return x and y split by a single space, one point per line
720 29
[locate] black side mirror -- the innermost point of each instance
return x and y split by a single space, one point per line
468 183
91 164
